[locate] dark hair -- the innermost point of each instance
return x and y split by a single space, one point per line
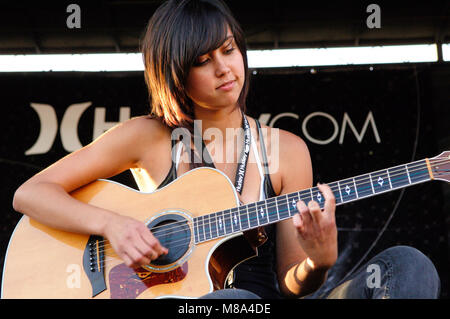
177 34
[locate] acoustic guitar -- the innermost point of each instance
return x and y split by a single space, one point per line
197 217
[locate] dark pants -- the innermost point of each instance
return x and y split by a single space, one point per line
398 272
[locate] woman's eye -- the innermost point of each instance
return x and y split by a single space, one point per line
201 62
229 50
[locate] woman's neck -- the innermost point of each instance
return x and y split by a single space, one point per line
217 120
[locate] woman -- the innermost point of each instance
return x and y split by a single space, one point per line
196 69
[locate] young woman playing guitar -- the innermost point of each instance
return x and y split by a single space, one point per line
196 69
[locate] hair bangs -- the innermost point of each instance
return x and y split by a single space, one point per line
207 29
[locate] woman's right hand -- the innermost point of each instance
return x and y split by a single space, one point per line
132 241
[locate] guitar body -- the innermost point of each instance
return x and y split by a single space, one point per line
42 262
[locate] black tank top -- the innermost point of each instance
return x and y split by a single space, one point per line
257 274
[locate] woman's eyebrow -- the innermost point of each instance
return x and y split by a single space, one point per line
228 38
223 43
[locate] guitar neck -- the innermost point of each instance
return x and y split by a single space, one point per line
275 209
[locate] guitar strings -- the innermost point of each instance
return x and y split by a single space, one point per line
282 202
224 235
333 188
183 240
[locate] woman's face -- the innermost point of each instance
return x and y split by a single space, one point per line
216 79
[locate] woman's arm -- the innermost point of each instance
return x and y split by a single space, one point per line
45 196
307 244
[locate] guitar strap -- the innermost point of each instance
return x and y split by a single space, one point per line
242 164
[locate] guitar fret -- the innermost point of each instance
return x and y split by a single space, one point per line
227 222
248 216
320 198
213 219
389 178
201 234
348 190
371 183
379 181
276 207
364 186
243 217
271 215
235 221
238 217
253 215
259 215
203 231
220 224
418 171
206 227
312 191
340 193
266 210
399 176
356 188
210 228
292 205
283 207
197 239
305 196
295 207
407 172
336 194
286 213
262 212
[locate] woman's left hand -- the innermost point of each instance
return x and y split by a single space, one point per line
317 232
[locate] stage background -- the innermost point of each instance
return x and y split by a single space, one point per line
405 107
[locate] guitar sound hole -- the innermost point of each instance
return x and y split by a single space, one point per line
173 232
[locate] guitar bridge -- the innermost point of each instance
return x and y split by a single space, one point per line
93 264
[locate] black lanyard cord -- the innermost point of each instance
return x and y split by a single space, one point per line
242 164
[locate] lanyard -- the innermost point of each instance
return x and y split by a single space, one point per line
242 164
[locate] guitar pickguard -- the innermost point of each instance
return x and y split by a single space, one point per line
126 283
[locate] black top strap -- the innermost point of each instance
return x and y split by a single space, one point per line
268 187
263 148
172 175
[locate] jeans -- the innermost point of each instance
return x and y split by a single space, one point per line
400 272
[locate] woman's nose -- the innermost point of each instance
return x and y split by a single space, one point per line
222 67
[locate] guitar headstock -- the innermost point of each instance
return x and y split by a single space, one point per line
440 166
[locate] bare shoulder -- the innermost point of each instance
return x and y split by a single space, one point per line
291 157
292 145
288 159
143 127
118 149
137 134
284 145
284 138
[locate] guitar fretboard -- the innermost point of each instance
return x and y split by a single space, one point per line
272 210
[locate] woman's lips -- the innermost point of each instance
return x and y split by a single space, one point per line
227 86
